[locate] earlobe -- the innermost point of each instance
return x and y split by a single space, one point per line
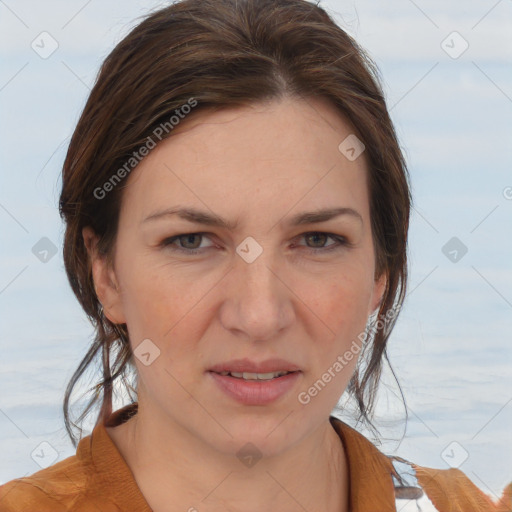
104 278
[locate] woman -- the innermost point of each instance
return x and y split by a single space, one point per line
258 130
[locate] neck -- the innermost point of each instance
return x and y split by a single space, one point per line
177 471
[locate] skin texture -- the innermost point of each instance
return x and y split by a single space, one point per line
259 165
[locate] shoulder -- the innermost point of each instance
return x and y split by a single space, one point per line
24 494
444 490
66 485
95 478
52 489
413 487
42 492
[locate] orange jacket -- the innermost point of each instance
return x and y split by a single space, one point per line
98 479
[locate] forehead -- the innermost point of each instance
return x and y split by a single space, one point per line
281 152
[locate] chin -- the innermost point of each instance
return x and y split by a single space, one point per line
268 433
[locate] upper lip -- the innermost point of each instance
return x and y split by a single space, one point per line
246 365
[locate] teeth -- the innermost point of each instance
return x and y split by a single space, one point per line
255 376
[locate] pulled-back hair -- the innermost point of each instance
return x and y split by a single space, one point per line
223 54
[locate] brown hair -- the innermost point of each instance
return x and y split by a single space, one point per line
224 53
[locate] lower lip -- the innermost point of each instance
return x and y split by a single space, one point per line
256 392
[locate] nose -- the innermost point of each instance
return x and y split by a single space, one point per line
257 304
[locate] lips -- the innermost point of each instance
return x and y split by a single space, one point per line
255 391
248 366
247 382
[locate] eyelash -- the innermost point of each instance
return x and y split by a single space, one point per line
340 243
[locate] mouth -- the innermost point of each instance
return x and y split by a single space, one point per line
252 382
256 376
251 389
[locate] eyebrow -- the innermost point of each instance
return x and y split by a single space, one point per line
211 219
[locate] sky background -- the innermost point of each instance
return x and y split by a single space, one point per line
450 97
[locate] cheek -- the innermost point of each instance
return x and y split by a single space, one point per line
344 309
159 306
145 296
162 303
340 301
333 353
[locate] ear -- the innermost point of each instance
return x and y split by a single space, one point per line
105 281
379 287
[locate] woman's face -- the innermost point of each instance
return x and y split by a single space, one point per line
261 288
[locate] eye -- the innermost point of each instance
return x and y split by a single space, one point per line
186 240
320 237
189 246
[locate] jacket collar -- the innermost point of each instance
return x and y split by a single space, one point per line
370 471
